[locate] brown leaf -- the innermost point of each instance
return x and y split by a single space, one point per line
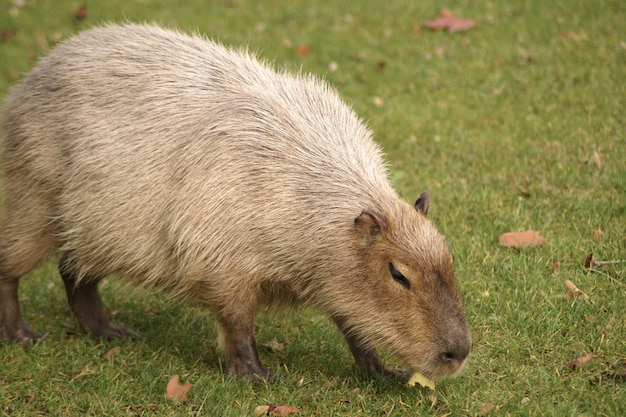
42 41
521 239
574 36
575 291
447 20
274 345
303 50
177 391
7 34
580 361
589 261
273 410
81 12
115 350
283 410
486 409
555 267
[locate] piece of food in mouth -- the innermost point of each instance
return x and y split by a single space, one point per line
422 380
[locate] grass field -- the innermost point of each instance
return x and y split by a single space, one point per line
516 124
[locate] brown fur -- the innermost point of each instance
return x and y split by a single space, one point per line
171 161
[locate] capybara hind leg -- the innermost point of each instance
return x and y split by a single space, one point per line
367 358
12 327
242 356
86 304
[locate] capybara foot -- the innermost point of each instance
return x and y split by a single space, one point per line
21 333
112 331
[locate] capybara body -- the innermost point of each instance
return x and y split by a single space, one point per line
171 161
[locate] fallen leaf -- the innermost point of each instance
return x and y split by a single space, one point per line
274 345
283 410
588 261
555 267
521 239
575 291
486 409
273 410
447 20
81 12
422 380
115 350
42 41
7 34
87 371
177 391
596 160
573 36
303 50
580 361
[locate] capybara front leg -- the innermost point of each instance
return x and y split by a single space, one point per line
87 306
12 327
242 357
367 358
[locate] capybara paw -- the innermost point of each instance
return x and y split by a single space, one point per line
114 332
22 334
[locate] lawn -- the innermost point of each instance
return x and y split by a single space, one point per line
516 124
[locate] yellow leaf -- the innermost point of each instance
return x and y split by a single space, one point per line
422 380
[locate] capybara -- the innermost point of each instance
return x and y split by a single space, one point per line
172 161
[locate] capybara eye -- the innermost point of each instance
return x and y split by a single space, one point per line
397 275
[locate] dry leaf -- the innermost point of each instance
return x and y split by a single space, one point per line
7 34
580 361
81 12
521 239
303 50
589 261
42 41
596 160
555 267
273 410
447 20
283 410
575 291
422 380
177 391
115 350
573 36
274 345
87 371
486 409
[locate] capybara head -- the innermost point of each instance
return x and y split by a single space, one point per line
411 305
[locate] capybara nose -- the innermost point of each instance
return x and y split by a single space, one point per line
456 353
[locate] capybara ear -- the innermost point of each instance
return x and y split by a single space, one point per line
369 225
422 203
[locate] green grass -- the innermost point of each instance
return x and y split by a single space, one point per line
498 123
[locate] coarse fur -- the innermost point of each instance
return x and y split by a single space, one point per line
171 161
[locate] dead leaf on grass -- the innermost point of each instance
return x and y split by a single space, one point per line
452 23
580 361
303 50
273 410
115 350
87 371
574 36
487 408
175 390
81 12
588 261
521 239
274 345
576 292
